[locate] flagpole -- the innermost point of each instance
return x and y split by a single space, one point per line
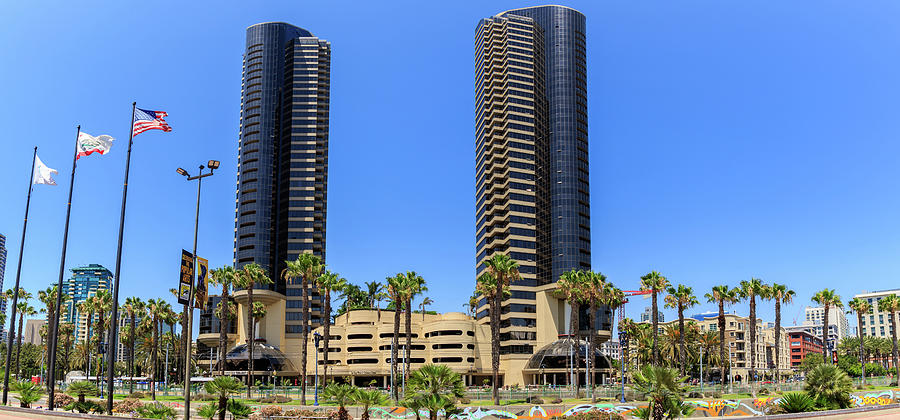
9 339
54 323
114 317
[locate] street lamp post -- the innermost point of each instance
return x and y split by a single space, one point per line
188 308
317 337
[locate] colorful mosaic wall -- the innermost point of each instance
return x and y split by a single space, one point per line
704 408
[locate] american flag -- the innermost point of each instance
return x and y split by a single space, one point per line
149 120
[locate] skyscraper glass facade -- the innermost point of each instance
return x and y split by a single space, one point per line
532 185
283 154
84 283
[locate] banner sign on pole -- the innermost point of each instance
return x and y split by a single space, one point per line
200 290
187 275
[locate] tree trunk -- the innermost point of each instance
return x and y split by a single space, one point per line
862 357
777 338
131 351
573 330
752 344
224 324
327 337
304 336
495 344
894 350
154 357
223 407
723 360
408 340
682 352
591 347
100 328
250 340
655 319
395 344
825 336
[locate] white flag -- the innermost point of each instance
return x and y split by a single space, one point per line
42 173
88 144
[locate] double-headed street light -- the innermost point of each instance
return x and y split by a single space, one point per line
188 308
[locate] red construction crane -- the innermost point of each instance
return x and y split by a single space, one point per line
627 294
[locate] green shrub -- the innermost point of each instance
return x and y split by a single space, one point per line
208 411
556 401
84 407
829 386
28 391
81 389
763 391
238 409
157 410
138 395
534 400
796 402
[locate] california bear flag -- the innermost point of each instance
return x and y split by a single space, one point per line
88 144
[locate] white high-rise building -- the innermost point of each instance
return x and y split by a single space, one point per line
876 323
838 327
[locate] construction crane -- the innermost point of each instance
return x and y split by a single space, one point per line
627 294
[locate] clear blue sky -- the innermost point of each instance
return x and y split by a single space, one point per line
727 139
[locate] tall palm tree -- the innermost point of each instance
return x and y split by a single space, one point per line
709 340
133 307
395 286
827 298
860 306
504 270
156 309
425 302
48 298
24 310
654 282
102 302
750 290
247 278
472 304
326 283
373 288
573 287
605 293
722 295
224 277
781 294
66 334
681 298
891 305
413 286
310 268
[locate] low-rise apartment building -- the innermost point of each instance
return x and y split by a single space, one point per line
802 344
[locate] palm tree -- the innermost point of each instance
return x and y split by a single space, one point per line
48 298
249 276
425 302
472 304
395 289
326 283
133 307
156 309
827 298
310 267
709 340
24 310
750 290
573 286
224 277
503 270
413 286
102 303
654 282
66 330
340 394
613 298
722 295
860 306
681 298
224 387
437 384
367 398
663 388
781 295
373 288
891 304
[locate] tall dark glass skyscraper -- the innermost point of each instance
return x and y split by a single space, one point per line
283 153
531 142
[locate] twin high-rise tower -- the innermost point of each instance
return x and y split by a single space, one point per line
531 151
531 144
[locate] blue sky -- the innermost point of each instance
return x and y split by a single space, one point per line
727 139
